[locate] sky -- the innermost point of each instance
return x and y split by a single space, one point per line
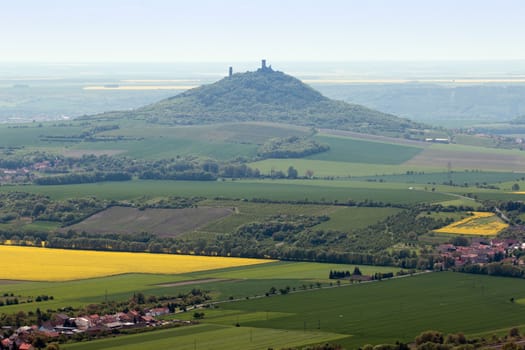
246 30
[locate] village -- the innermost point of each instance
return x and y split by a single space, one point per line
63 327
481 251
24 174
138 314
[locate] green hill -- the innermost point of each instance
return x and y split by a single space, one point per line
269 96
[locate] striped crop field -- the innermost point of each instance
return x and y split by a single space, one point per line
44 264
479 223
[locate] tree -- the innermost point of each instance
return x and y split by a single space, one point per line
39 342
460 241
155 247
309 173
357 272
198 315
429 336
139 298
514 332
292 172
510 346
53 346
516 187
456 339
37 209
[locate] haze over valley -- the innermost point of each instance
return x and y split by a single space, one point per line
450 94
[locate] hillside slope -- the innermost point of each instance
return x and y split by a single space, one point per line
269 96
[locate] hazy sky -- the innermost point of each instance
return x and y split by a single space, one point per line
246 30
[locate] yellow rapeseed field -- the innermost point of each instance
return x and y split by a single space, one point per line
43 264
480 223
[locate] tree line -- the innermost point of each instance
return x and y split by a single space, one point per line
290 147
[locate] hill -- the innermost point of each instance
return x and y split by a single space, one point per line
265 95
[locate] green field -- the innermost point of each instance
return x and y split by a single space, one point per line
398 309
468 202
275 190
361 158
76 293
221 142
29 135
351 315
350 218
161 148
284 270
343 149
325 168
458 177
212 337
30 227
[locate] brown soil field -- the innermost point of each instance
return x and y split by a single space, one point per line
468 160
378 138
163 222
